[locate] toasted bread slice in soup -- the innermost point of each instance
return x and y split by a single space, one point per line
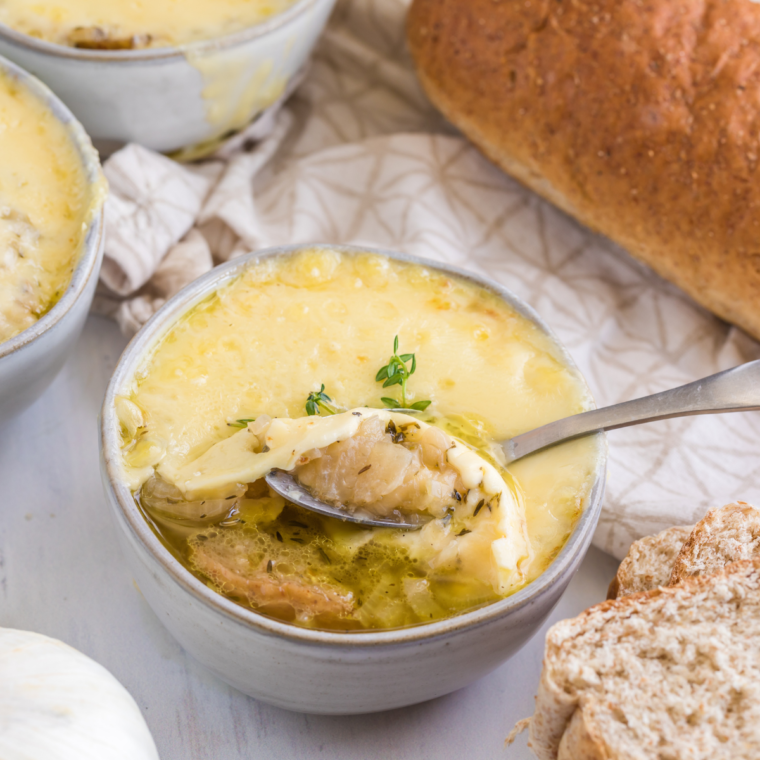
649 562
724 535
669 673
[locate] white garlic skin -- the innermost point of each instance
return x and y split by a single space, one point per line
58 704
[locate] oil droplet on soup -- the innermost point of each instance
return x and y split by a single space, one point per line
224 393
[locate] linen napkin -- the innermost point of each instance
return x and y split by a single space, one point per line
358 155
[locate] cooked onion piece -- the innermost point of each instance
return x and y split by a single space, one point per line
384 468
159 496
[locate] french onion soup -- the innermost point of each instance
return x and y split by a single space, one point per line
46 204
382 386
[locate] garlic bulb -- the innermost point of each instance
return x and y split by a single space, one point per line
57 704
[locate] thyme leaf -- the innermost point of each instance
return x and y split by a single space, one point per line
396 372
241 423
318 402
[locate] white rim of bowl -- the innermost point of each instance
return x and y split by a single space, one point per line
158 326
151 55
92 248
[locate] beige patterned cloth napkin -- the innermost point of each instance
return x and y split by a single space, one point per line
357 155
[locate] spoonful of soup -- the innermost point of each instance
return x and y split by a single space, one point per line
381 468
327 483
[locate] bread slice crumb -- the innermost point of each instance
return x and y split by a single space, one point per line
669 673
520 726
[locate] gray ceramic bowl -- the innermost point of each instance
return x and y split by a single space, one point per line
318 671
30 360
160 98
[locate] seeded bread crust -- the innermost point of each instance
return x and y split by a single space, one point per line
669 673
639 118
724 535
649 562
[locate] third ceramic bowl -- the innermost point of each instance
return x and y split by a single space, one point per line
169 99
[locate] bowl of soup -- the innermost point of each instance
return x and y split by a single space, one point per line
51 235
168 75
291 359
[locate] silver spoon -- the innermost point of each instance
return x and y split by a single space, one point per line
735 390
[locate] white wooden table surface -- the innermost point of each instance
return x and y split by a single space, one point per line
61 574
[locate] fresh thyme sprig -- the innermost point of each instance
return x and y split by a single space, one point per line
397 373
319 401
241 423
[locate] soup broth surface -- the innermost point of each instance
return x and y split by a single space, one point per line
125 24
45 205
278 332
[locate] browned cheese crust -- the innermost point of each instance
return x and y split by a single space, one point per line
639 118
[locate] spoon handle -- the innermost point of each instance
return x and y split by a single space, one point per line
735 390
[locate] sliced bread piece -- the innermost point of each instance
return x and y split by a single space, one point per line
649 562
724 535
670 673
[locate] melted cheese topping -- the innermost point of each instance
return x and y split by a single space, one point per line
45 206
235 459
261 344
134 23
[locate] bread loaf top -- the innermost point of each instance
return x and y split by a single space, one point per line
639 117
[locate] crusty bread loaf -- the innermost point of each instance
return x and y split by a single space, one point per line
724 535
670 673
649 562
641 119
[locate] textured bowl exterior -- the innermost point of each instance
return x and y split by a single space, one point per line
156 97
30 361
319 671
